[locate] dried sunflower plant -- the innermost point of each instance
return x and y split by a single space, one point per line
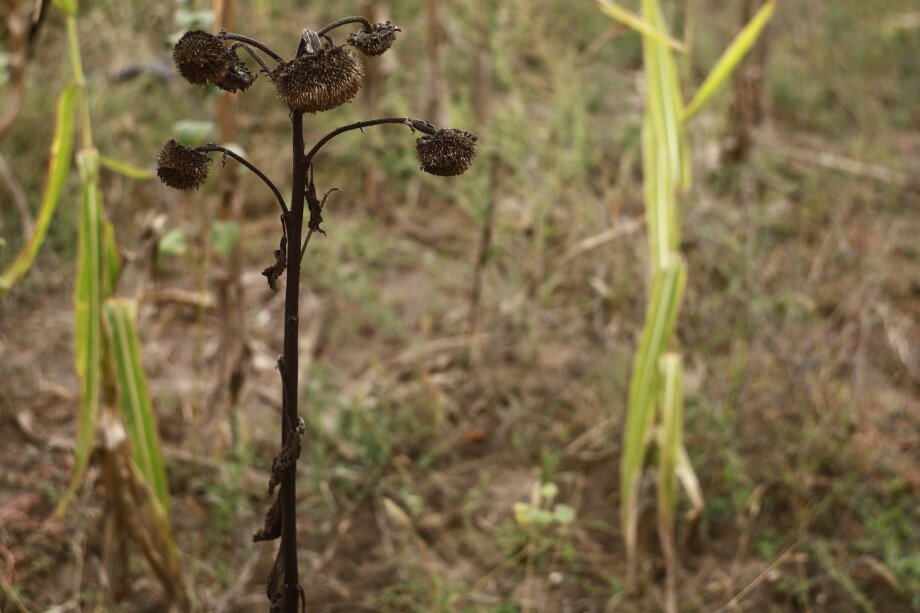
320 77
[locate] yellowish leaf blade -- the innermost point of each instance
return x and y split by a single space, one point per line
731 58
638 24
88 315
134 397
58 169
127 170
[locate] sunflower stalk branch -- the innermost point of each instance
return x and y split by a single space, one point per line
224 35
345 21
230 153
251 52
414 124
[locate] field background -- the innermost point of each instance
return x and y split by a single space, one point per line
800 328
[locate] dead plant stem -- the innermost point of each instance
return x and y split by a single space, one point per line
294 225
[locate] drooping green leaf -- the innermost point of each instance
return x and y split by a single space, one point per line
670 432
638 24
664 102
224 235
134 397
112 264
731 58
660 199
89 295
660 321
132 172
58 170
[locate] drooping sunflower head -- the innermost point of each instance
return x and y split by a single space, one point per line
320 81
447 152
203 59
376 40
182 167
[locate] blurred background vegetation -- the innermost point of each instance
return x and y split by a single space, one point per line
465 402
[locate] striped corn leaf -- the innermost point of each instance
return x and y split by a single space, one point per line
661 319
134 400
91 281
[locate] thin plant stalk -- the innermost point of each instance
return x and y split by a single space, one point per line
294 225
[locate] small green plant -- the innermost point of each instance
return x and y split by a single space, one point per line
539 535
321 76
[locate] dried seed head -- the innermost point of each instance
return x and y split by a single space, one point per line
319 81
182 167
447 152
376 41
236 77
203 59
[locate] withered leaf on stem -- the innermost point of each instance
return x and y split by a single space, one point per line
285 459
271 528
275 587
274 271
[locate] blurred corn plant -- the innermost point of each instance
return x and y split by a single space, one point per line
114 399
654 413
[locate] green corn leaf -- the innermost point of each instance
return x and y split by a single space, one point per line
660 321
137 409
134 397
132 172
58 170
731 58
670 432
660 199
638 24
112 262
89 295
663 99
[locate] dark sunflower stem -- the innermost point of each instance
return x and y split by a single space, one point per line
294 224
255 56
215 147
341 22
223 34
415 124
